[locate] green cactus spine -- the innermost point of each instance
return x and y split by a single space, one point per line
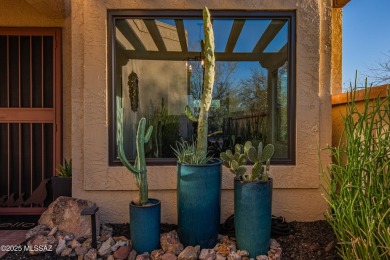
235 162
139 167
208 82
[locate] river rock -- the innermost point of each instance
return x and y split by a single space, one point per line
170 243
43 243
132 255
80 251
233 256
207 254
105 248
122 252
169 256
65 213
189 253
91 255
61 246
157 254
144 256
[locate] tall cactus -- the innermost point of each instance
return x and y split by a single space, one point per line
139 167
208 82
235 162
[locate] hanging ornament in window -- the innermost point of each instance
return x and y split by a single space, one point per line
133 91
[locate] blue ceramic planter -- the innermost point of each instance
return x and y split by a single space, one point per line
199 203
252 216
145 226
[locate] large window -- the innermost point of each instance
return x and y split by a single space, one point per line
157 70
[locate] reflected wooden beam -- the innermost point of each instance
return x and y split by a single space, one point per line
124 27
272 64
272 30
155 33
182 35
219 56
340 3
234 34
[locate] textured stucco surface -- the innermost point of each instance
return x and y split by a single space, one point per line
297 189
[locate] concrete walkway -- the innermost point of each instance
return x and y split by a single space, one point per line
11 237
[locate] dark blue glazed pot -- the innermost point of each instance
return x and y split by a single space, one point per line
145 226
199 203
252 216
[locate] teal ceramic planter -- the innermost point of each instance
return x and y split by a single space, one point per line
199 203
252 216
145 226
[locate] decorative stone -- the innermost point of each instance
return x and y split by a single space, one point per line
132 255
144 256
169 256
170 243
261 257
80 251
87 243
274 243
122 252
66 252
110 257
120 238
207 254
189 253
42 242
219 257
91 255
118 244
65 213
157 254
234 256
105 248
38 230
61 246
222 249
74 244
243 253
53 231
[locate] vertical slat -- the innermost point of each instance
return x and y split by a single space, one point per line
8 76
9 160
31 77
42 74
20 157
19 74
31 158
43 150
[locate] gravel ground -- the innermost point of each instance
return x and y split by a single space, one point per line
307 240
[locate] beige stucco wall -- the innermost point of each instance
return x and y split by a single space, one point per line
297 189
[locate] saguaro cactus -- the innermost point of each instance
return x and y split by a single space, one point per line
208 82
139 167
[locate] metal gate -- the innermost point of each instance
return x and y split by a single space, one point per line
30 115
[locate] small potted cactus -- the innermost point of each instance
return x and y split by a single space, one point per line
199 176
252 196
62 183
145 212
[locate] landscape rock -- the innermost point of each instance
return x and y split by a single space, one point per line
144 256
170 243
222 249
38 230
132 255
274 244
261 257
91 254
243 253
61 246
53 231
74 244
169 256
122 252
207 254
157 254
87 243
234 256
118 244
220 257
64 213
189 253
110 257
44 243
105 248
66 252
80 251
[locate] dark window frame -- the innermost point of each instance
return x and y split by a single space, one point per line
112 15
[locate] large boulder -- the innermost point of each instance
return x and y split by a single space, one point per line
65 213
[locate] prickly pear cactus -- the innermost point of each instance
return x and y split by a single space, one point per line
139 167
242 154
